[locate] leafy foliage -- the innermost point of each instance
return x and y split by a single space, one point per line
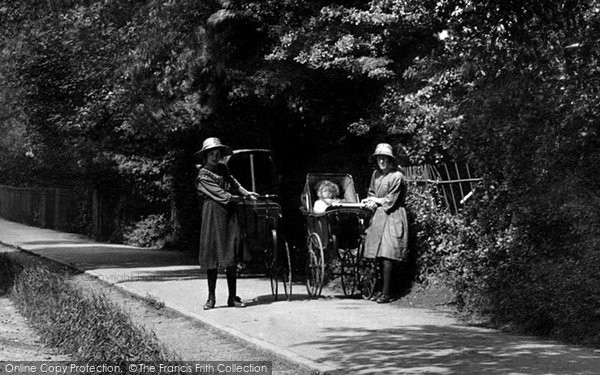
152 231
117 95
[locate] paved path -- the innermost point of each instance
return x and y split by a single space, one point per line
330 334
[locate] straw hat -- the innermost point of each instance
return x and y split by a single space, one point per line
384 149
211 144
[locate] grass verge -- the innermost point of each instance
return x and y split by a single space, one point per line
86 326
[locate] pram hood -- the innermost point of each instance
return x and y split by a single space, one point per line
343 180
254 169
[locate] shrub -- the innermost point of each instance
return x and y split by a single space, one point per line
520 271
152 231
440 241
553 297
452 249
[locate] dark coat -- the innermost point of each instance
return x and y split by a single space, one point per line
219 231
387 234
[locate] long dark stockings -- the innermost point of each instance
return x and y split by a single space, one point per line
387 276
231 273
211 277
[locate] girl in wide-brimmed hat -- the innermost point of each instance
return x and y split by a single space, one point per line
220 236
387 234
213 143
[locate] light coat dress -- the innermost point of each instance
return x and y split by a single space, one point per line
220 234
387 234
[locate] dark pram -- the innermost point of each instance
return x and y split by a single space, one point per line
335 238
265 249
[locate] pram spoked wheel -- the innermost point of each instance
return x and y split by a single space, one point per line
270 262
278 266
286 272
368 271
315 273
348 269
358 274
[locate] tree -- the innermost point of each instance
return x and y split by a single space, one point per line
524 96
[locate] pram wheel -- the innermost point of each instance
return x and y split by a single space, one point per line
281 266
368 271
315 273
348 270
286 270
271 262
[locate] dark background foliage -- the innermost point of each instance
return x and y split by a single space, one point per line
117 95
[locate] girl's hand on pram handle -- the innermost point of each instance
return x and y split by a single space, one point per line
342 204
251 195
246 194
370 203
256 196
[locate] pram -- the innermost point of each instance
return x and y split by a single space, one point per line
265 249
335 239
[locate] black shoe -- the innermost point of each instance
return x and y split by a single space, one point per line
210 304
384 298
375 296
235 302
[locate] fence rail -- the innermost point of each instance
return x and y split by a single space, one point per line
67 210
83 211
454 182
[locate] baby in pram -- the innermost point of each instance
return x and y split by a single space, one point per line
328 193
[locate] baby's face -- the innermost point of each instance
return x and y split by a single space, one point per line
327 194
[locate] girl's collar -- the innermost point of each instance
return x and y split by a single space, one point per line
212 168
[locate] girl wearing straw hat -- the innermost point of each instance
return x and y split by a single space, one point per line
387 234
220 236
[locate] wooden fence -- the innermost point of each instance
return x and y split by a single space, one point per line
453 181
83 211
67 210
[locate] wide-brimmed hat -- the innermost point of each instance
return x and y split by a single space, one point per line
384 149
211 144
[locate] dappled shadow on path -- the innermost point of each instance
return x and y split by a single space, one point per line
268 299
433 349
54 242
91 255
153 275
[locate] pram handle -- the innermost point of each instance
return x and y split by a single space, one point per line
348 204
265 196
